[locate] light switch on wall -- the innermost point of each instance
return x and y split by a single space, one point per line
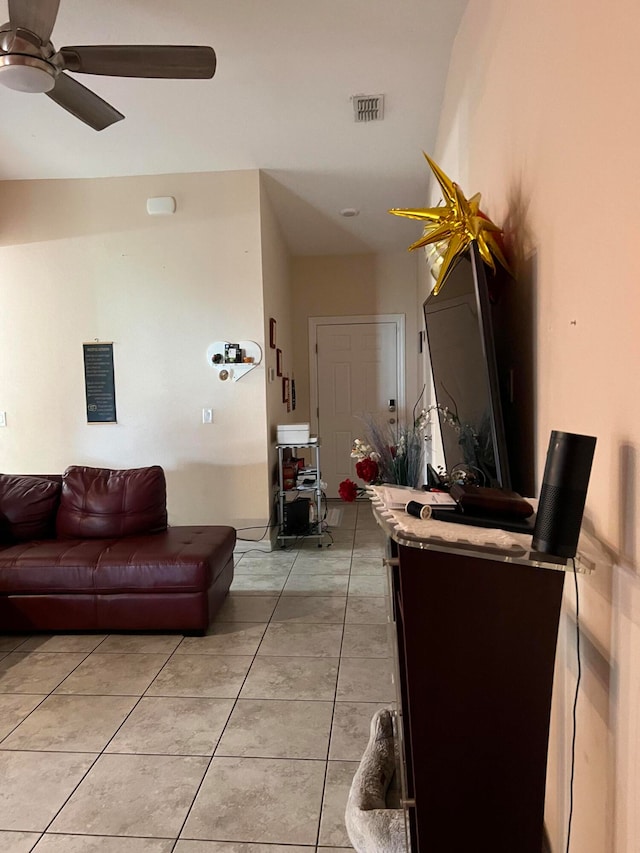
207 416
3 419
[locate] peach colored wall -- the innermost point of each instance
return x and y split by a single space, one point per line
83 260
541 116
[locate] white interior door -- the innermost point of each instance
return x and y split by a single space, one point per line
357 375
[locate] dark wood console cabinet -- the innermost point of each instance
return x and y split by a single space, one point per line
476 641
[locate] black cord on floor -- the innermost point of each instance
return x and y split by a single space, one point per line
575 706
272 524
265 528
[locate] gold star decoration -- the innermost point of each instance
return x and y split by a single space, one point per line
455 225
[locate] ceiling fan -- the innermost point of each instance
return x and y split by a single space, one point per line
30 63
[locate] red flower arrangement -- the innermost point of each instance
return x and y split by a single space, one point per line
367 469
348 490
394 455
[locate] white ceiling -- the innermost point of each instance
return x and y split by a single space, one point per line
280 101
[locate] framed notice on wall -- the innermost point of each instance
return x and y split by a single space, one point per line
99 383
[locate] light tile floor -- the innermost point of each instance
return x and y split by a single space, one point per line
246 737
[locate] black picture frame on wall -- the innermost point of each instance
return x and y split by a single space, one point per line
99 380
279 362
272 333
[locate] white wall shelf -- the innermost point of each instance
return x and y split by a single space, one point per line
233 370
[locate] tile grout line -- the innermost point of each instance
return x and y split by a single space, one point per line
102 752
233 707
235 700
333 709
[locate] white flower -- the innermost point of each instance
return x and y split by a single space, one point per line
360 450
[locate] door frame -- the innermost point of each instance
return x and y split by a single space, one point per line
351 320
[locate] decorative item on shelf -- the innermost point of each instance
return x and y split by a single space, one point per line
289 473
234 360
272 333
391 454
460 474
452 226
476 446
232 354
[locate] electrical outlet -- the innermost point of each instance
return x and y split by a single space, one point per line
3 419
207 416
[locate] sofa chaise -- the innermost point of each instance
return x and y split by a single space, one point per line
91 550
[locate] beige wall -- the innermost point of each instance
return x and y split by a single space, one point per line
541 116
277 305
348 285
82 260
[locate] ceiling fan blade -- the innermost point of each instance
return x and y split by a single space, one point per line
169 61
83 103
37 16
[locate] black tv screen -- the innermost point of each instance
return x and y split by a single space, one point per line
465 377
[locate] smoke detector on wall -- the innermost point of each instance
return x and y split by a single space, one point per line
368 107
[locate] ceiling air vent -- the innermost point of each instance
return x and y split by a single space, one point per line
368 107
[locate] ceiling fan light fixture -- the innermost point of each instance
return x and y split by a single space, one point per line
30 63
26 74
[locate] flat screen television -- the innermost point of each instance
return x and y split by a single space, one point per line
461 347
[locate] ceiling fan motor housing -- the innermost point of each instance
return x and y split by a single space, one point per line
24 61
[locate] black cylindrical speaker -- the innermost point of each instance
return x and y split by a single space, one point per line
563 493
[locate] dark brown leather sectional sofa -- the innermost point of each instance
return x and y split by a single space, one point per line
91 550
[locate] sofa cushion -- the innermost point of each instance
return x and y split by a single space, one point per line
28 506
51 566
179 560
183 559
102 503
